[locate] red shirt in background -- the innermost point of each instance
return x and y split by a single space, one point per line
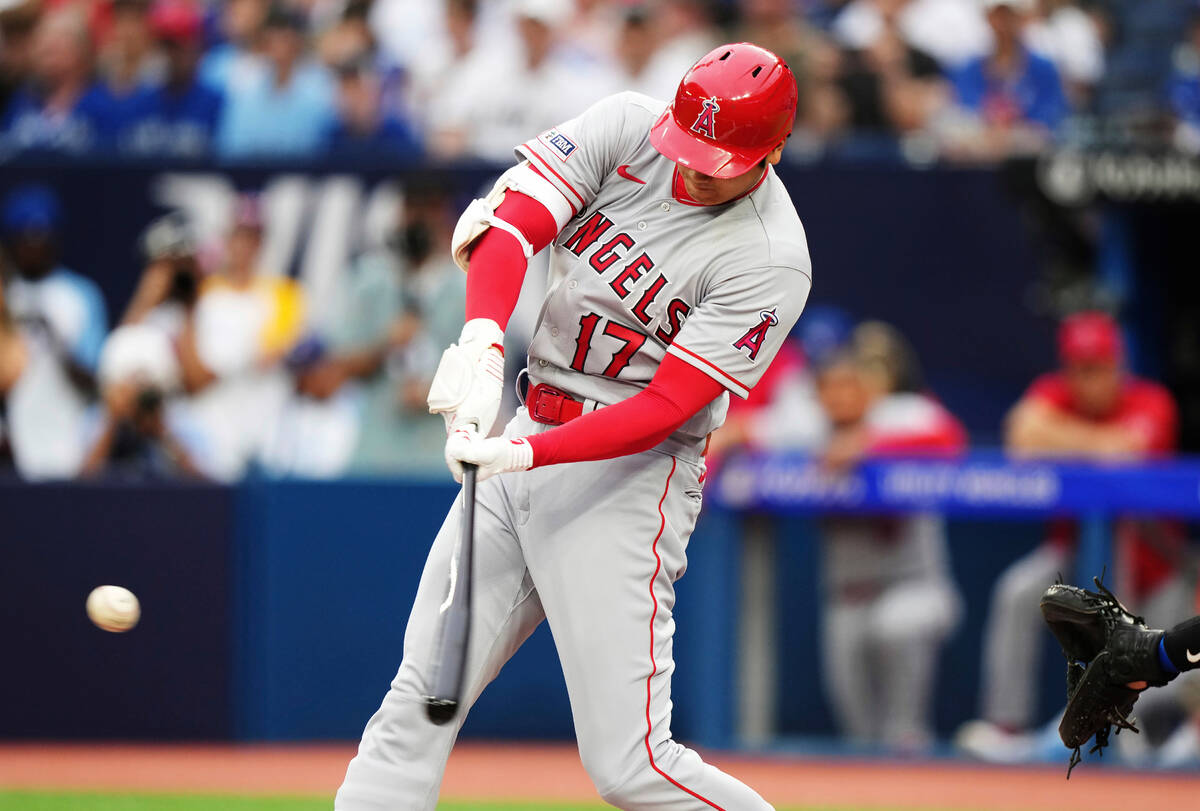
1147 551
911 424
788 361
1143 406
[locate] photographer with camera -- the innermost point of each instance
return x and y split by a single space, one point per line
170 283
140 434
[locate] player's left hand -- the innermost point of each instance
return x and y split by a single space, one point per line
490 455
469 383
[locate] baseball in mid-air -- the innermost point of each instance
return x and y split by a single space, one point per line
113 608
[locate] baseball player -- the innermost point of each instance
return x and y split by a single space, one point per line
888 597
678 264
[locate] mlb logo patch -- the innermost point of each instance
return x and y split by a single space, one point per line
559 143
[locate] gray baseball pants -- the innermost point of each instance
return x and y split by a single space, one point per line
593 548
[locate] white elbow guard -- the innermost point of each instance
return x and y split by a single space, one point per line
480 215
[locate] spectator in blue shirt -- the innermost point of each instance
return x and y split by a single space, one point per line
63 108
363 127
127 65
283 108
178 117
1015 96
1183 88
238 26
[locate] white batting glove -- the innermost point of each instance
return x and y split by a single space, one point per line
491 456
469 382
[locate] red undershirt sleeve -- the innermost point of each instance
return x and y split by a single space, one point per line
637 424
497 264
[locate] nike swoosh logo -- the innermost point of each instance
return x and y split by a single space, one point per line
623 171
1192 657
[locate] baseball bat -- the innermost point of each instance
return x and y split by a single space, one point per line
454 616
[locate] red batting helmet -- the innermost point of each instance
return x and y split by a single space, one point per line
731 109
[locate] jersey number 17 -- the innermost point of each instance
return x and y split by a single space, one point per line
630 339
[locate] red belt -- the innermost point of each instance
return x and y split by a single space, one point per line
550 406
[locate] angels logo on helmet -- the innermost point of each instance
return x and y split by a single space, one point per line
706 122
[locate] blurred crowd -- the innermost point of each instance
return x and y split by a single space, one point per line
215 368
468 79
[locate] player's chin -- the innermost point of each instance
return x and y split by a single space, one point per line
706 194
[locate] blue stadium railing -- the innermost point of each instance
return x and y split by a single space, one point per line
982 487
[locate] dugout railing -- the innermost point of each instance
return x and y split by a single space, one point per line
750 490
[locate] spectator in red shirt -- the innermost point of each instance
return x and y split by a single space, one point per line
1092 408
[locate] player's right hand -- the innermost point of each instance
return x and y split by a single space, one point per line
469 382
490 455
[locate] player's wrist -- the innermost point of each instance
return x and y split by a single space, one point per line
521 455
482 332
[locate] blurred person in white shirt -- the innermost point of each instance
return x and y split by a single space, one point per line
685 32
141 432
636 44
317 428
534 88
444 89
13 357
362 383
1070 38
592 28
61 318
413 34
951 31
231 350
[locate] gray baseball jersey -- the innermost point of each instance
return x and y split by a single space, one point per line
594 547
636 274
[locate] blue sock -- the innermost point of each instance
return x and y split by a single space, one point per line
1165 660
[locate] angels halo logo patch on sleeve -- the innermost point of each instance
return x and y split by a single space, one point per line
561 145
753 339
